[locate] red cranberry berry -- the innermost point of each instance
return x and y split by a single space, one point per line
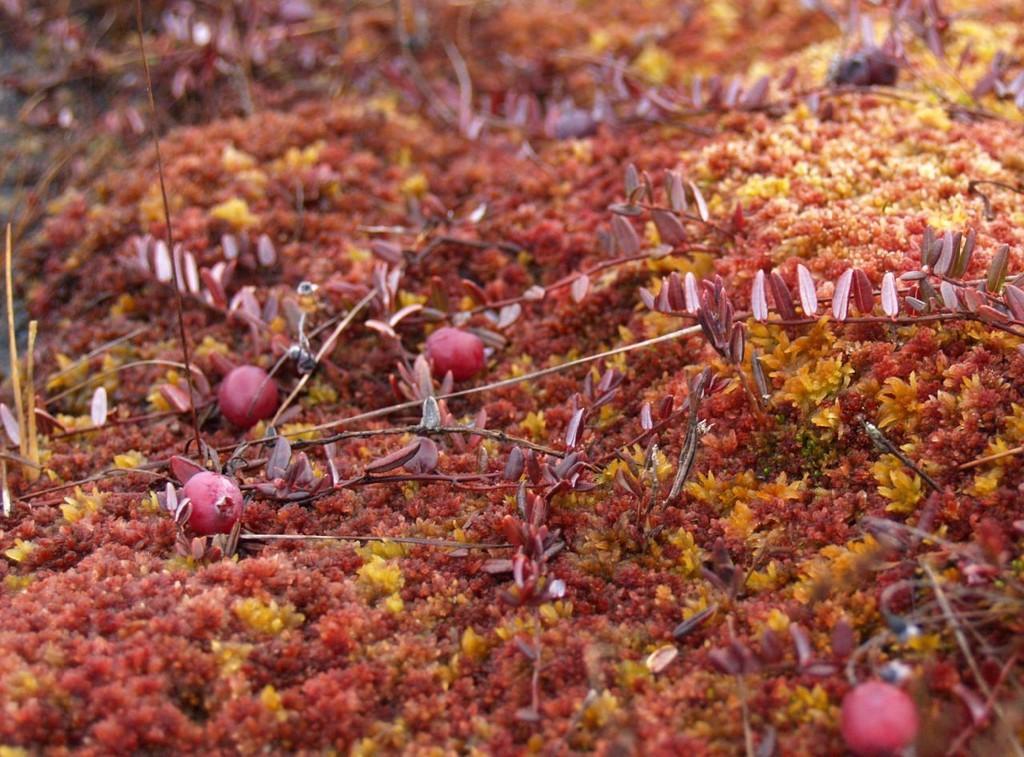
247 395
455 350
878 720
216 503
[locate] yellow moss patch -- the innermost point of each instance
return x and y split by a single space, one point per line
230 655
267 617
271 699
474 646
902 489
654 63
17 583
235 160
80 504
765 580
209 346
534 424
20 551
70 373
123 305
299 431
809 705
319 392
690 557
600 711
814 381
415 186
130 459
381 576
764 187
235 212
899 403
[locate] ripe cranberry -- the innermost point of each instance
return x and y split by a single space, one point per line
455 350
216 503
247 395
878 719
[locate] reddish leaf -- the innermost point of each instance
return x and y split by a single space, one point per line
217 294
474 290
647 298
890 299
841 296
670 229
991 315
843 639
395 459
927 247
580 288
949 297
10 423
702 206
945 255
191 273
266 254
162 265
425 459
675 191
808 293
737 342
758 300
973 299
625 236
963 259
863 294
177 398
632 181
514 466
277 463
661 658
183 468
98 407
509 314
646 421
780 294
1014 298
692 294
997 269
755 96
575 429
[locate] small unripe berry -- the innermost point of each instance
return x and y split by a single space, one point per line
247 395
216 503
878 720
455 350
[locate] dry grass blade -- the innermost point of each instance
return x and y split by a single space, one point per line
178 279
972 663
12 340
24 392
32 441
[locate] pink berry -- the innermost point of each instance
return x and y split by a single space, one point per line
247 395
878 719
455 350
216 503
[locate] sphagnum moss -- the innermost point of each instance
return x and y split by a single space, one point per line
798 553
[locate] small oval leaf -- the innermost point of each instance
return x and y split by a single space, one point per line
98 407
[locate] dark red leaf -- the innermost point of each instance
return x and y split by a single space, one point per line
863 294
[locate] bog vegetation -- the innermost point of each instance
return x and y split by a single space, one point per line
514 377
